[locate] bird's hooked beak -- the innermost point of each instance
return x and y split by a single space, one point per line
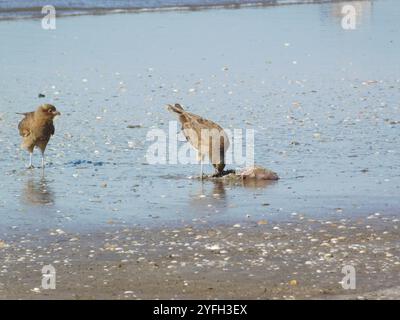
56 113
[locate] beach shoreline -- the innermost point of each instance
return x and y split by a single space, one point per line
64 11
300 259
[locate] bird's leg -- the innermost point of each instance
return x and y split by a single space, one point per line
42 160
30 166
200 158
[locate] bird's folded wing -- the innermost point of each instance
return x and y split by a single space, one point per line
214 130
25 126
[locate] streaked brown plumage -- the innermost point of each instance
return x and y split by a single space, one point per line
36 129
207 137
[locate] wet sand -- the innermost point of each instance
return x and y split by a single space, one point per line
300 259
324 104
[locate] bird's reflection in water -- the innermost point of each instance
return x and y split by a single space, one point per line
213 195
209 196
38 191
256 183
218 190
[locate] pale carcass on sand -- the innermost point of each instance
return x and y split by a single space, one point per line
252 173
257 172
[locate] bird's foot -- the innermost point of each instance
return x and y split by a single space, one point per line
222 173
30 167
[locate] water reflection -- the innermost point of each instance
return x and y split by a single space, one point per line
37 192
215 195
219 190
363 8
209 195
256 183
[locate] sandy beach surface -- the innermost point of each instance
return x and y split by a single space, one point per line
324 103
300 259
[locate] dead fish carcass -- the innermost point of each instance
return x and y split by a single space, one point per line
257 172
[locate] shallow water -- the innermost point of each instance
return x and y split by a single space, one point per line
16 9
291 73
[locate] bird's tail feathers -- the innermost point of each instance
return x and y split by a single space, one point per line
177 108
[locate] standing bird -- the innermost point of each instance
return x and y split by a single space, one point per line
207 137
37 128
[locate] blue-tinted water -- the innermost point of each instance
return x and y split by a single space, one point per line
289 72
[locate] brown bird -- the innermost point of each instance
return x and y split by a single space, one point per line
36 129
207 137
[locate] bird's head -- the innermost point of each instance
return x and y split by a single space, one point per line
48 111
